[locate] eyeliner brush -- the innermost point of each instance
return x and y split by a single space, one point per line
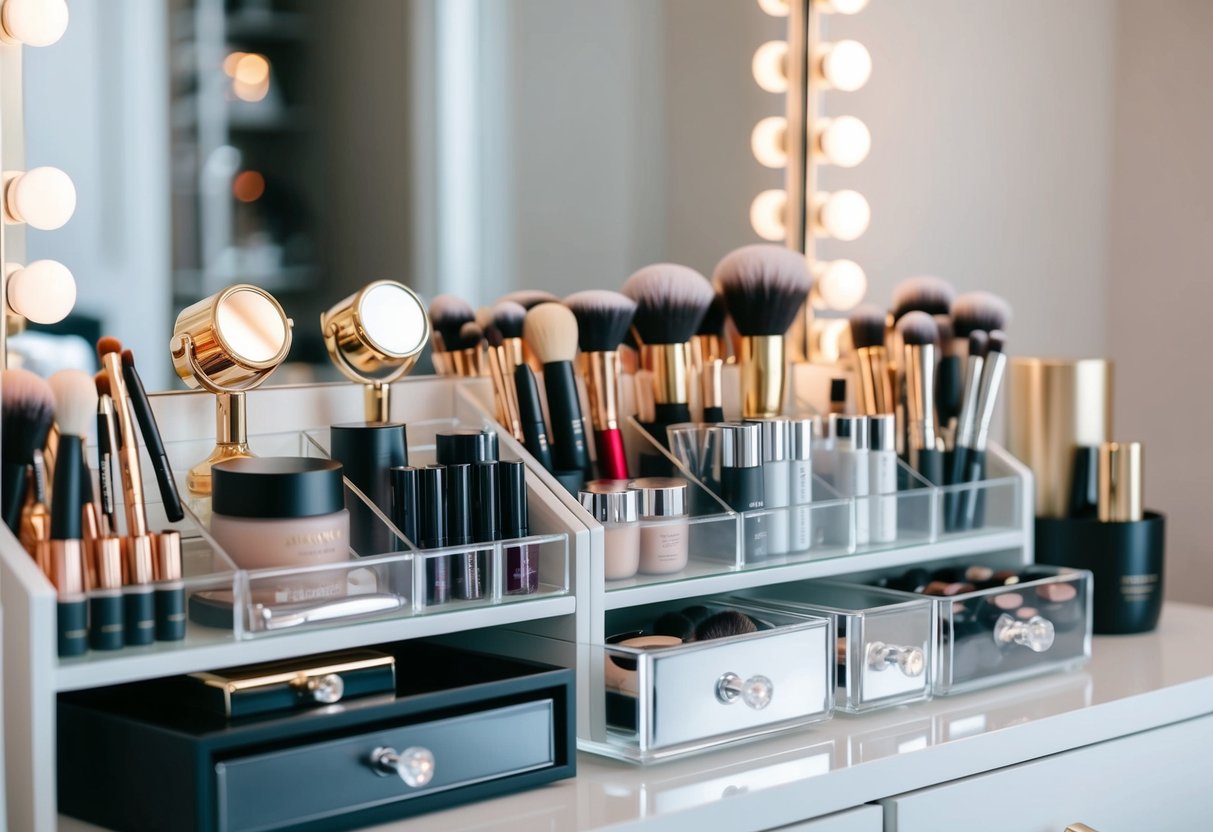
151 438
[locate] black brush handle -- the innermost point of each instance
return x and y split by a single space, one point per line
713 415
106 457
170 611
534 432
139 615
73 627
69 467
930 465
155 445
568 431
972 500
13 487
954 468
949 385
105 611
673 413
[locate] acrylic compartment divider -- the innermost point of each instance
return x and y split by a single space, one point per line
376 585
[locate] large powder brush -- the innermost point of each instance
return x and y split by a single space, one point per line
28 410
551 331
764 288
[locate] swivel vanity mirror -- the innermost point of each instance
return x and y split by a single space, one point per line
229 344
374 337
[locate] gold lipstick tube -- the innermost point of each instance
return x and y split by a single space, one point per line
107 565
128 454
921 430
67 566
601 373
91 525
1120 482
762 361
670 365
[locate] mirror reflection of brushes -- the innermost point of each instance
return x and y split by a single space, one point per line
228 344
374 337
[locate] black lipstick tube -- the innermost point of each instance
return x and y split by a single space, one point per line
431 528
521 561
741 481
467 573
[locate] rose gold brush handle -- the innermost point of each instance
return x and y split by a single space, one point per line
128 454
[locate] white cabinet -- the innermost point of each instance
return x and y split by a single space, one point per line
1156 780
861 819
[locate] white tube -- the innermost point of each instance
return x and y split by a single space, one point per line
882 462
801 483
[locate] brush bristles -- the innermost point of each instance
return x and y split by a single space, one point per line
28 410
932 295
603 318
998 341
979 343
979 311
713 319
102 382
448 314
75 401
944 324
551 331
918 329
670 299
725 624
763 287
508 317
528 299
470 336
484 317
107 344
867 326
493 336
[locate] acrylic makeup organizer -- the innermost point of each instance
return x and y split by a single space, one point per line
718 566
284 420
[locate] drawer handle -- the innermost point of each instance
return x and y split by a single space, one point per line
1036 633
414 765
910 660
1079 827
327 689
755 691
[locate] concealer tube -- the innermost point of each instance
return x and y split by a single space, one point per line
776 482
800 449
170 591
105 601
852 468
882 478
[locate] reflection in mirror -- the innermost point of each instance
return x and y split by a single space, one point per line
393 319
309 146
251 325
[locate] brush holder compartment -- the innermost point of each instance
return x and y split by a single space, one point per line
1126 560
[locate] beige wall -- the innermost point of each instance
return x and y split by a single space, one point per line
1160 258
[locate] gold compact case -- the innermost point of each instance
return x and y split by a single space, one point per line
293 683
374 337
229 344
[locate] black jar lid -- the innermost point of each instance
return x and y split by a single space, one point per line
276 486
465 446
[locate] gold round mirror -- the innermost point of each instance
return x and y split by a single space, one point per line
253 326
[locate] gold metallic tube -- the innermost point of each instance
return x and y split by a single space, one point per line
601 373
670 366
761 358
108 562
67 566
166 564
711 382
706 349
231 442
140 560
377 401
1120 482
91 525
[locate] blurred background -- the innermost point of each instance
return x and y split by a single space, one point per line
1055 153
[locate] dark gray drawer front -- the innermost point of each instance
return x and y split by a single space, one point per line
311 782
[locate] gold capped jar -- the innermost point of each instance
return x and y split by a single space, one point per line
664 545
617 507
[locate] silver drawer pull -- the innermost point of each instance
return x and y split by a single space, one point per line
327 689
414 765
910 660
1036 633
755 691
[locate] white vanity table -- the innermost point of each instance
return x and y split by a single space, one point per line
1122 745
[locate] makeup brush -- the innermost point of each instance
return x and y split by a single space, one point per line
874 392
707 359
530 414
919 335
528 299
28 408
508 317
932 295
465 353
966 423
448 314
974 455
977 312
551 331
603 318
948 377
671 300
151 438
503 383
107 452
764 287
75 406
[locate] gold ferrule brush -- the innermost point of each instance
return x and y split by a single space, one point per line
91 524
670 366
1120 482
921 430
438 354
762 362
711 383
128 454
67 567
706 349
601 373
107 562
465 363
875 391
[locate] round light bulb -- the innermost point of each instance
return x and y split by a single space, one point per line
42 292
34 22
769 141
44 198
844 6
770 66
841 284
846 65
776 8
844 141
843 215
767 215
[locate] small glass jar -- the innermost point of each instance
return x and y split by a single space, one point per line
663 545
617 507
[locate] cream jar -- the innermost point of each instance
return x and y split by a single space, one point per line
663 545
274 512
617 507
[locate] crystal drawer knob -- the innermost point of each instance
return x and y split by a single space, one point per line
756 691
1036 633
910 660
327 689
414 765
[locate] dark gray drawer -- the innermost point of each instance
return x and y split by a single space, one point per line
311 782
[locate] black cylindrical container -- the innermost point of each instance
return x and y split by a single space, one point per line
521 562
465 446
741 480
1126 559
367 450
431 529
406 504
466 572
